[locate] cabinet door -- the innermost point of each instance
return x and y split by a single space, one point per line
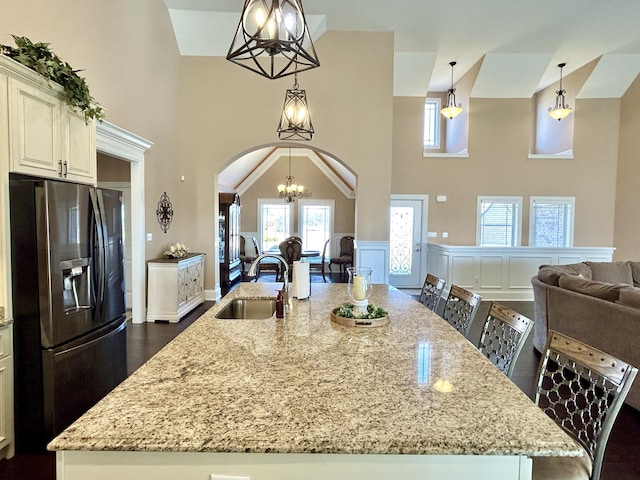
6 393
78 147
34 126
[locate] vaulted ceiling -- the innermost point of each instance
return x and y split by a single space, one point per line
519 43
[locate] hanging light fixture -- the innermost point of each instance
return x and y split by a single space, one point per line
452 109
289 191
560 109
273 39
295 121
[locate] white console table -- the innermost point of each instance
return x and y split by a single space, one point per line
175 287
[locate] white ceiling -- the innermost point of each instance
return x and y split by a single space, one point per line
520 42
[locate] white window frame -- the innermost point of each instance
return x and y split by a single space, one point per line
301 217
437 120
569 219
516 235
272 201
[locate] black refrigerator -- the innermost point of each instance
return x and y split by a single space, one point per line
68 303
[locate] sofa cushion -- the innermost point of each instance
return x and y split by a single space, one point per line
605 291
611 272
635 272
630 297
550 274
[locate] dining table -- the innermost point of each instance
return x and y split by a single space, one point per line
306 397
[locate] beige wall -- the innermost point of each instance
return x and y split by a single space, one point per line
128 55
202 113
498 164
112 169
627 219
314 181
227 110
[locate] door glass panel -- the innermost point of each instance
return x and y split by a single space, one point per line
401 241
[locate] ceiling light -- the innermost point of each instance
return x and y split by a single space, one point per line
452 109
560 109
273 39
289 190
295 121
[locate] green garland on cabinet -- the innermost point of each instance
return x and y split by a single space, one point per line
39 58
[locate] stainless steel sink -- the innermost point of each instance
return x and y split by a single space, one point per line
248 308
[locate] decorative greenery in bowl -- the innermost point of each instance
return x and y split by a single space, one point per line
39 58
346 311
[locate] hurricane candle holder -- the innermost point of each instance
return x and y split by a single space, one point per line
359 288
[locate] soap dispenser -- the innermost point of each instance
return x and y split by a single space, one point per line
280 304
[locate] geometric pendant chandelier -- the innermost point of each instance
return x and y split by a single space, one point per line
273 39
295 121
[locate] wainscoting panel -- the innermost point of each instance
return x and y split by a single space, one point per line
374 255
491 271
462 269
502 274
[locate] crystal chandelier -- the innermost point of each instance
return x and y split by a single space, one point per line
452 109
560 109
295 121
273 39
289 191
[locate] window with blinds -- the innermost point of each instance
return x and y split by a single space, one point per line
551 221
499 221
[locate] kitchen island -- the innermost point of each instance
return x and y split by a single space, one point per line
302 397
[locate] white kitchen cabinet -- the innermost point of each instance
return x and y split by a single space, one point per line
175 287
6 392
47 138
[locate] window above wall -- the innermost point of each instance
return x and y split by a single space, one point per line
551 221
499 221
432 119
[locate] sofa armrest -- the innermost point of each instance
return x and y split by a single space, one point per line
540 327
609 326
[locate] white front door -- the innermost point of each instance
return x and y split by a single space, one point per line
407 263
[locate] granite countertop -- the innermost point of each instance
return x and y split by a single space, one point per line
306 385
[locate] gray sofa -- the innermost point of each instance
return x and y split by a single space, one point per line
597 303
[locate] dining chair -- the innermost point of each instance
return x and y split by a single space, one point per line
582 389
314 263
346 254
293 237
503 336
431 291
246 257
266 264
461 308
291 251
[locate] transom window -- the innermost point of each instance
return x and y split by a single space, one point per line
551 221
431 123
499 221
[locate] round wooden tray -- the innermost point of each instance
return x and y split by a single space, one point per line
358 322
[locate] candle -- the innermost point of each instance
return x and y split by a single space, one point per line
358 288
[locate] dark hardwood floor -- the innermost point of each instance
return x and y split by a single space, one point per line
622 458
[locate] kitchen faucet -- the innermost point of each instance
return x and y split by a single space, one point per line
285 286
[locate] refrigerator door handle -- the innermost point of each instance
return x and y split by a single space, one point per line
99 246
